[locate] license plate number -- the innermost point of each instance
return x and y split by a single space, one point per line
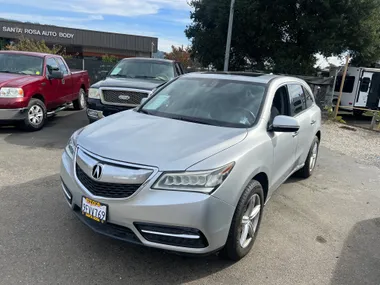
94 210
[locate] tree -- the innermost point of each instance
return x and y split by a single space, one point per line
284 35
24 44
109 58
181 55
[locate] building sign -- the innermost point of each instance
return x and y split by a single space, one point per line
37 32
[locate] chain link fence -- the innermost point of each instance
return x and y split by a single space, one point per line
97 69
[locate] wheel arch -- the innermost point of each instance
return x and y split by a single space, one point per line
319 134
39 97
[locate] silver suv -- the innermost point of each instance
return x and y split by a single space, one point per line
191 169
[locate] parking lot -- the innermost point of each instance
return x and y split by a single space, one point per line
324 230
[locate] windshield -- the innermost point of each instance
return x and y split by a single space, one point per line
218 102
21 64
143 69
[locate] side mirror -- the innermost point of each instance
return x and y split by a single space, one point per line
143 100
56 74
284 124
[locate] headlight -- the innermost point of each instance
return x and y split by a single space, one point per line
72 144
94 93
11 92
202 181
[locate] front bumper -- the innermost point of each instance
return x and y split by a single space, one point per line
96 110
169 220
12 114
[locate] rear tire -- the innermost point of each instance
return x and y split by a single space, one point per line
35 116
245 223
311 161
80 103
358 113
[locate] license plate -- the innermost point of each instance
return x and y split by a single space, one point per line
94 210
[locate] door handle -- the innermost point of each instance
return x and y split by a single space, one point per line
313 122
295 134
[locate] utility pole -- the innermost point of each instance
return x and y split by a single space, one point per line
229 36
342 85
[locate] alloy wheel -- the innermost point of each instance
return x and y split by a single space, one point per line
313 157
35 115
250 221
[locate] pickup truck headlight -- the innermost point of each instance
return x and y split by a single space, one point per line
72 144
10 92
94 93
202 181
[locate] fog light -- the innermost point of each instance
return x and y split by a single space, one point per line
93 113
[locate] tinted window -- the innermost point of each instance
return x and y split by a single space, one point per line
219 102
309 98
348 86
297 98
51 64
62 66
365 84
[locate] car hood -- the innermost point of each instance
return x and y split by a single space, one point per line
143 84
16 80
155 141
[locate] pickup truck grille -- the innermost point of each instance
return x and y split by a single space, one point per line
123 97
104 189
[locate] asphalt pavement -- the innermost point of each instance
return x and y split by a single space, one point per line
324 230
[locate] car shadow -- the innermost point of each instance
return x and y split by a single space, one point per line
52 234
55 133
359 261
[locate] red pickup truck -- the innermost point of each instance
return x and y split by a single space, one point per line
34 86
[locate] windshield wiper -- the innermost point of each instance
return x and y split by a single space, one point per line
191 120
121 76
5 71
145 112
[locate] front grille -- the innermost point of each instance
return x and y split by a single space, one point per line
105 189
108 229
201 242
116 97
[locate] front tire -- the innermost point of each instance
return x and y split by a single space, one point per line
245 223
80 103
35 116
311 161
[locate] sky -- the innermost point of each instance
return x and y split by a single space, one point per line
165 19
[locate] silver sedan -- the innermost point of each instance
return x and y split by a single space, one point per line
191 169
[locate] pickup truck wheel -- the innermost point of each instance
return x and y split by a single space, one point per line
245 223
35 116
80 103
311 160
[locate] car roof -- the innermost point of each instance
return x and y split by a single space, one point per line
245 77
37 54
149 59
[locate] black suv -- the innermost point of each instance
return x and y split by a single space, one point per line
131 80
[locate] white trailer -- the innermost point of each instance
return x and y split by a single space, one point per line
361 89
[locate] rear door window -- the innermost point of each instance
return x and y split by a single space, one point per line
297 99
309 98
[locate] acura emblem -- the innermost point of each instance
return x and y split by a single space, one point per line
97 171
124 97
